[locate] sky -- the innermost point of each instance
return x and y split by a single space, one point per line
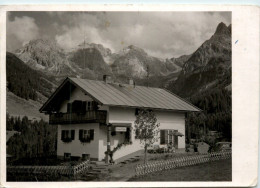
160 34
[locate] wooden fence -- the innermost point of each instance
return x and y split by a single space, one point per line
53 170
142 169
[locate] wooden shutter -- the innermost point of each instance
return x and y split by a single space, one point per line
166 136
72 134
91 132
176 139
80 134
94 105
162 136
62 134
69 107
137 133
137 110
84 107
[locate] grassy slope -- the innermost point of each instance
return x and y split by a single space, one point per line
18 106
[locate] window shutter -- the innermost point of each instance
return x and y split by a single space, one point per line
91 134
94 105
137 111
166 136
69 107
72 136
162 136
137 133
80 134
84 107
62 134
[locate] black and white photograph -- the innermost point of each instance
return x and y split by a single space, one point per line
118 96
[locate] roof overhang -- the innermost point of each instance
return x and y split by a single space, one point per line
63 91
67 86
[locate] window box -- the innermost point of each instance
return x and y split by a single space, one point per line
86 136
67 135
67 140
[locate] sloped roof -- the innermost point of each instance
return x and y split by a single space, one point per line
114 94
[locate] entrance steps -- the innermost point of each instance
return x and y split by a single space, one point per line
97 168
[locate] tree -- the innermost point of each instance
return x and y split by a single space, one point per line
146 128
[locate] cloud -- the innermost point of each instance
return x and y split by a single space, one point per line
20 31
163 34
167 34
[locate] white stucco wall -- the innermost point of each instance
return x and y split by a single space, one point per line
172 120
77 94
167 120
97 147
76 148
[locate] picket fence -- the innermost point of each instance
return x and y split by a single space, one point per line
143 169
53 170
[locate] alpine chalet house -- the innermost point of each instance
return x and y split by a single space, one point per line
95 115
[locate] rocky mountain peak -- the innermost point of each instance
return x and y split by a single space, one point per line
133 49
42 54
41 44
230 28
103 50
222 29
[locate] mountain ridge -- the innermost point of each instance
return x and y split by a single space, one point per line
211 62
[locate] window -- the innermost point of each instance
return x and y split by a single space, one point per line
67 135
85 156
76 107
143 132
92 105
86 135
89 105
167 136
67 155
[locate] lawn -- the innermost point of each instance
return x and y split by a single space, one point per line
212 171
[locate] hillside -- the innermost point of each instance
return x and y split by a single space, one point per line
205 80
19 107
23 81
208 67
24 93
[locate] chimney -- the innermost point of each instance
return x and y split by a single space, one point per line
131 82
107 79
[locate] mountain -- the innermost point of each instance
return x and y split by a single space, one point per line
136 63
92 61
180 60
89 59
24 81
105 52
45 56
203 77
209 66
24 93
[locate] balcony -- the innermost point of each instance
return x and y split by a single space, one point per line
73 118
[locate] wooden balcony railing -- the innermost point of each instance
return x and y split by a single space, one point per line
73 118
